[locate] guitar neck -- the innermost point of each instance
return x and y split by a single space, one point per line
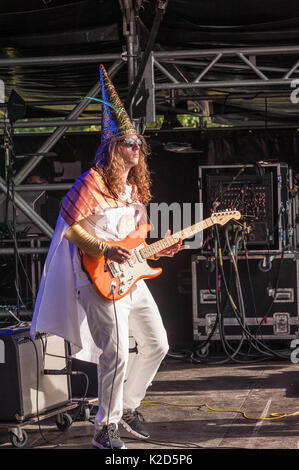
156 247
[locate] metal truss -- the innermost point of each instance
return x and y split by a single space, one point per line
242 59
10 189
170 67
118 60
194 74
62 127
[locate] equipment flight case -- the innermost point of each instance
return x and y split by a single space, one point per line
269 292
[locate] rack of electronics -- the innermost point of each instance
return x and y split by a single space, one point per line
245 277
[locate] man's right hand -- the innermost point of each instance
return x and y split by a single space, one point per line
118 254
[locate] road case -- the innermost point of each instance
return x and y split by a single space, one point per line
268 290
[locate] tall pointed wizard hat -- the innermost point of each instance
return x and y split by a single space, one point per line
115 120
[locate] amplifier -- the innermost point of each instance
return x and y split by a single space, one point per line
263 195
269 292
21 374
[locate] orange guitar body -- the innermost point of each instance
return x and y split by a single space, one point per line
123 276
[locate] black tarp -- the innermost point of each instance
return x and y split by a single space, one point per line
40 28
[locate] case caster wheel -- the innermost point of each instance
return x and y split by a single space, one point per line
85 413
64 421
19 440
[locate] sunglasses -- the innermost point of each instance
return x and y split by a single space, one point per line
130 142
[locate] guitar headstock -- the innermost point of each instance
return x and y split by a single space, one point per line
222 218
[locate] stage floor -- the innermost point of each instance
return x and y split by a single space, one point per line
179 421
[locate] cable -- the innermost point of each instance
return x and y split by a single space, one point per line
243 326
54 441
238 287
273 416
254 342
252 294
225 344
68 371
219 198
220 310
275 290
113 287
239 315
217 291
10 150
37 388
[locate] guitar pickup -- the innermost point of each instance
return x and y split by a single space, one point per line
138 256
114 271
131 262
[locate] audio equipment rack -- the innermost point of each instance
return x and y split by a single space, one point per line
261 192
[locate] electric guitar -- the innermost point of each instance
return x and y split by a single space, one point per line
113 280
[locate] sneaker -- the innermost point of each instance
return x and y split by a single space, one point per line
131 421
108 438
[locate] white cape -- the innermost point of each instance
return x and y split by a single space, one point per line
57 310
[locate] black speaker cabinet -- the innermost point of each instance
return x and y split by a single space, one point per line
78 382
25 391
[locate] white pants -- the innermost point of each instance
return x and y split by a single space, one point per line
138 315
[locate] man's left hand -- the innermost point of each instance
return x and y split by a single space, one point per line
172 250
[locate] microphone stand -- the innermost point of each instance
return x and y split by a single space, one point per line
9 161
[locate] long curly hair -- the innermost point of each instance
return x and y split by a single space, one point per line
108 163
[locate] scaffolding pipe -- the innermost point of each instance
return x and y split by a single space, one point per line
59 132
227 52
19 202
55 123
160 11
24 251
96 58
129 32
223 84
43 187
226 65
62 60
